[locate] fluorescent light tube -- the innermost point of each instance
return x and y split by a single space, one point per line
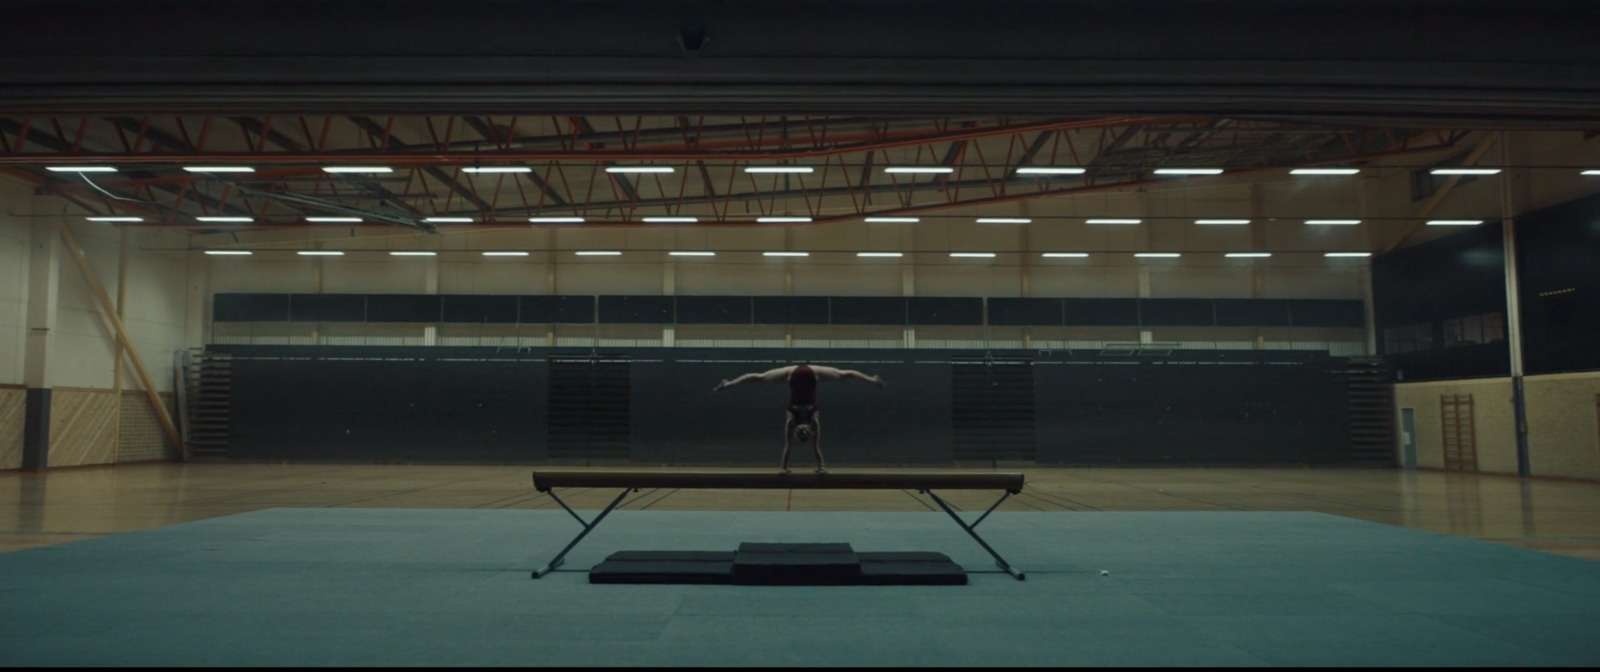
783 220
1065 255
972 255
219 169
688 253
497 169
115 219
504 253
81 169
357 169
785 254
447 220
1004 220
1046 170
892 220
1333 222
556 220
1324 171
880 254
1221 222
1157 255
333 220
320 253
639 169
779 169
413 254
226 219
1465 171
1188 171
935 170
1248 255
1114 221
229 253
598 253
671 220
1454 222
1347 254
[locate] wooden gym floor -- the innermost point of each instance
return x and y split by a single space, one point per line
72 504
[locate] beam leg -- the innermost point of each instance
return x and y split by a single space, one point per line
587 527
998 561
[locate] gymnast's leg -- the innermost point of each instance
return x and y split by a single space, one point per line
816 440
788 431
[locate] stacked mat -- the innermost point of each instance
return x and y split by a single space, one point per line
767 564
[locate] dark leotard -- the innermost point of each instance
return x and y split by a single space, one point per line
803 393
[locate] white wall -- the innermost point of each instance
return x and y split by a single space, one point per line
14 198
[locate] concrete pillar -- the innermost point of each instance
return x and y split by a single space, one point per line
430 285
1513 199
44 275
669 287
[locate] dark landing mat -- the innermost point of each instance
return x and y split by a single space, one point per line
796 565
780 564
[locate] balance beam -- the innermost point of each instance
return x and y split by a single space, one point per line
544 481
547 481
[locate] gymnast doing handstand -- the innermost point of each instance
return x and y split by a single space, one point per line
802 411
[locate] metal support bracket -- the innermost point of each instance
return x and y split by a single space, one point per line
971 529
588 526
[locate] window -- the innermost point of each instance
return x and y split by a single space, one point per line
1410 338
1474 329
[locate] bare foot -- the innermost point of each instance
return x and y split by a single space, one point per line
783 470
821 470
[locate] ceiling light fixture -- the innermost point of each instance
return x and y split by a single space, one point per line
333 220
226 219
1454 222
779 169
219 169
783 220
1465 171
880 254
497 169
81 169
1324 171
1222 222
447 220
923 170
1047 170
357 169
671 220
1590 172
1115 221
691 253
115 219
1004 220
1248 255
892 220
639 169
1157 255
1188 171
504 253
229 253
320 253
1065 255
598 253
785 254
1347 254
972 255
407 253
556 220
1333 222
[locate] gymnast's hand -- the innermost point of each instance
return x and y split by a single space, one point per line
719 386
878 380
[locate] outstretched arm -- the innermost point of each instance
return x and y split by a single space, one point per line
777 375
828 373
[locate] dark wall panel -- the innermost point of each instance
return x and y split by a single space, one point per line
388 411
1456 276
480 309
1252 313
1024 312
404 308
676 417
636 310
713 309
1176 313
555 310
1101 313
867 310
1560 286
944 311
250 307
327 308
1327 313
1092 413
791 309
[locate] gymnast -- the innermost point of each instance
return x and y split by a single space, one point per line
803 379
